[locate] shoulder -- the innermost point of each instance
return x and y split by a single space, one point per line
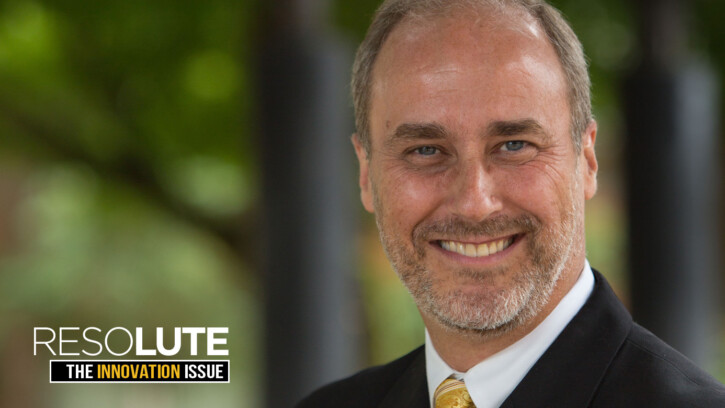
648 372
366 388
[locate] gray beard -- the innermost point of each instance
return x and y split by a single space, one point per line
493 313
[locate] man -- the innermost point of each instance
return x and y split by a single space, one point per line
476 148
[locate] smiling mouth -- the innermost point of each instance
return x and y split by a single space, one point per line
477 250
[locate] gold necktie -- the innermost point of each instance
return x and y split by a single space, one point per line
452 393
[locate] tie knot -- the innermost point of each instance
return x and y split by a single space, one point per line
452 393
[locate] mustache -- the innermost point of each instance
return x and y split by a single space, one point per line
491 227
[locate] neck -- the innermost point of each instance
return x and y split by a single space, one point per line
462 349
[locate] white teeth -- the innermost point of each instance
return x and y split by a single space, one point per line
475 251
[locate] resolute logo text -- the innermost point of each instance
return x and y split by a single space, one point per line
93 342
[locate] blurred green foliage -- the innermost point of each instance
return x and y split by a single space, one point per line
126 152
128 173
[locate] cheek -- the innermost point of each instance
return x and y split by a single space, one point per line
539 190
407 199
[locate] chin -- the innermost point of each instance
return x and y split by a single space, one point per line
486 308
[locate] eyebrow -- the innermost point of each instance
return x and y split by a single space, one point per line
427 131
507 128
433 131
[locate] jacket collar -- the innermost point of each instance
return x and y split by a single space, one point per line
411 389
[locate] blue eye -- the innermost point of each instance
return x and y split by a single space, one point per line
426 150
513 145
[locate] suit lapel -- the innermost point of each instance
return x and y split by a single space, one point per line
569 372
411 389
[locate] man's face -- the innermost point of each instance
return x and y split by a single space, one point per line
476 186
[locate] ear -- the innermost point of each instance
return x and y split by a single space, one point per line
366 192
589 160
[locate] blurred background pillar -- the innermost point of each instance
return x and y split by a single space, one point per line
671 106
308 186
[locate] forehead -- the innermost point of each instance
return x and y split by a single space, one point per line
472 67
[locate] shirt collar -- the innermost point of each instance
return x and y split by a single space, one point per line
492 380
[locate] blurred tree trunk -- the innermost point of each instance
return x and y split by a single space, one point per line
19 373
22 377
310 296
671 107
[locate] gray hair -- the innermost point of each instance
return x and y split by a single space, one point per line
560 35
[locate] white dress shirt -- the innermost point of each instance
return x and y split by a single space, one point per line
492 380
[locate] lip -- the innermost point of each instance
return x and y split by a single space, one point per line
483 260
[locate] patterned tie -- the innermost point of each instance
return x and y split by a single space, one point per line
452 393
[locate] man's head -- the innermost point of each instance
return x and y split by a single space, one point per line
468 161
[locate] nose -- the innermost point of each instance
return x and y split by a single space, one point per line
473 195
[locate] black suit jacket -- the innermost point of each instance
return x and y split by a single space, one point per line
601 359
